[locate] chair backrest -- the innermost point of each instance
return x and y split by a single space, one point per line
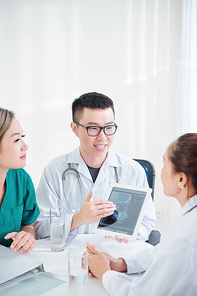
150 173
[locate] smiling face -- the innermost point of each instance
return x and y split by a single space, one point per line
94 149
13 148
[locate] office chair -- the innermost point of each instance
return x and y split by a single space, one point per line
154 236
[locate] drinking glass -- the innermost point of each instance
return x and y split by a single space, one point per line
78 272
57 229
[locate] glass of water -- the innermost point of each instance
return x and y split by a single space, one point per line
57 229
78 272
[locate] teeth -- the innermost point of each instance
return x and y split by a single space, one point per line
100 146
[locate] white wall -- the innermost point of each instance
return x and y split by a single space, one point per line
52 51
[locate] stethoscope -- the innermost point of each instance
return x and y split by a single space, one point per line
74 205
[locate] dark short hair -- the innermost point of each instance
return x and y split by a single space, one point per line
183 155
92 100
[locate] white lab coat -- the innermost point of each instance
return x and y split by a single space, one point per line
50 189
170 267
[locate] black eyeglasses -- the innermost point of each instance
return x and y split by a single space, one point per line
94 131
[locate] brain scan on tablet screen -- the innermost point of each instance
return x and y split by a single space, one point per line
130 204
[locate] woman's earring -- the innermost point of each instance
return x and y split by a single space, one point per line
179 184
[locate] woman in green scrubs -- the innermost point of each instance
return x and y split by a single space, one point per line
18 207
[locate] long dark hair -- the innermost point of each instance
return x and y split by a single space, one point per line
183 155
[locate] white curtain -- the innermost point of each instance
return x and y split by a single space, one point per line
187 79
186 104
52 51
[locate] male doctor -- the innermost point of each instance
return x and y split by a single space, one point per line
97 166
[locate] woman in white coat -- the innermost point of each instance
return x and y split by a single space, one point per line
170 268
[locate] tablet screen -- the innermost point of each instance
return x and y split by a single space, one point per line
128 207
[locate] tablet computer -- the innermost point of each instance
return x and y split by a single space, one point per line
131 202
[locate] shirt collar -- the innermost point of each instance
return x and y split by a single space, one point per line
111 159
74 156
190 204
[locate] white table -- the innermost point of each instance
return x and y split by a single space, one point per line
56 262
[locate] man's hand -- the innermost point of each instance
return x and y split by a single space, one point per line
23 241
91 211
120 240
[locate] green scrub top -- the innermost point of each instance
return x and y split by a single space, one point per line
19 206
